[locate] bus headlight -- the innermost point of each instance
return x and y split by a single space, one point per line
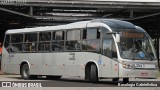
128 66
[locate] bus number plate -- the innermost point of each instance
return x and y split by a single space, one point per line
144 74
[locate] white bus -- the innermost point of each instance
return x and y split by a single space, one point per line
95 49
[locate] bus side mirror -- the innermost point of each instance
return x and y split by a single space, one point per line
117 37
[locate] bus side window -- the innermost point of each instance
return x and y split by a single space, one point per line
44 41
58 41
109 48
16 43
7 42
91 39
73 40
30 43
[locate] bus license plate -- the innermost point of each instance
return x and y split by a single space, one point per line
144 74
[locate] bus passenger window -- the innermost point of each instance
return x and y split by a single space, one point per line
7 42
44 46
72 45
91 33
58 46
31 37
16 43
91 45
44 41
17 38
58 41
30 43
73 40
44 36
58 35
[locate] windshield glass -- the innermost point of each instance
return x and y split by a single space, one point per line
136 46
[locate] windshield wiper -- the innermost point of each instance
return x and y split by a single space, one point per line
144 50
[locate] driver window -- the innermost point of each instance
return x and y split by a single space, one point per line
109 48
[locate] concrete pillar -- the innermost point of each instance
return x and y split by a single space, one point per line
31 11
131 14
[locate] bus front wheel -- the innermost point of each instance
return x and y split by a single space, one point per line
125 80
93 73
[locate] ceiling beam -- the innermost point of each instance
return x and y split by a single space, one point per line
15 12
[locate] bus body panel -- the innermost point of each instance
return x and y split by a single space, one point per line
59 63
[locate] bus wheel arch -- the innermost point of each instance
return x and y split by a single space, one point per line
91 72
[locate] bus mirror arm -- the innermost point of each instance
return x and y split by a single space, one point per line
117 37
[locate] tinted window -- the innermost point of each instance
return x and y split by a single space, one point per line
59 35
7 41
30 46
91 34
91 45
16 43
16 38
44 46
107 47
44 41
30 43
58 41
44 36
16 47
72 45
58 46
31 37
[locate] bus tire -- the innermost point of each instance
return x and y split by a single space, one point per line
125 80
25 72
93 73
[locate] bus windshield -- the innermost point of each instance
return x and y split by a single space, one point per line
136 46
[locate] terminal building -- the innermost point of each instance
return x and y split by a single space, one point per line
15 14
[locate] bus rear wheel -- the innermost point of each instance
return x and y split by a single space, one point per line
93 73
25 73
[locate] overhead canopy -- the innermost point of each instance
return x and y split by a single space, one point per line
63 11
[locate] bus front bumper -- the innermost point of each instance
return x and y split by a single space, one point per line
138 73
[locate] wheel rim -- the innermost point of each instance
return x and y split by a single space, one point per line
26 72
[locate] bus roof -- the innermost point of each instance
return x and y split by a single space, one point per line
77 25
115 25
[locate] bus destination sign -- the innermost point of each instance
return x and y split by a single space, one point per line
132 35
